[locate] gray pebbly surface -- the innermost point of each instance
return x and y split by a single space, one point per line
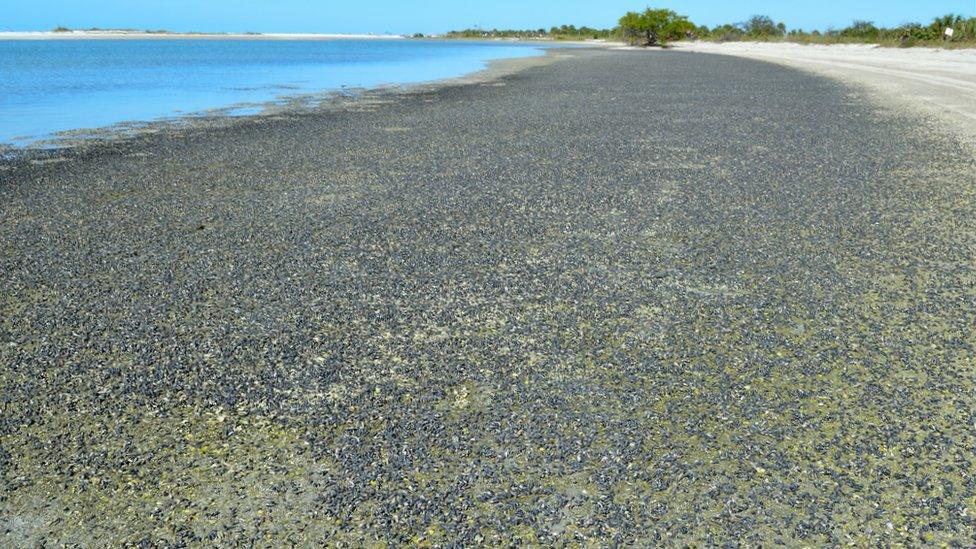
626 298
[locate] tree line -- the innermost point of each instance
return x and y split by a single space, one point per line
660 26
761 27
563 32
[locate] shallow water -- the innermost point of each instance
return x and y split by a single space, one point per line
50 86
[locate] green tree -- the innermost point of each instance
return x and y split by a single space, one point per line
862 30
762 26
727 33
655 26
946 21
950 21
967 29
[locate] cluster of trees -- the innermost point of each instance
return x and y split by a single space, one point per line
583 32
660 26
964 30
655 26
757 27
761 27
563 32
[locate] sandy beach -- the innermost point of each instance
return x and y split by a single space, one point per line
938 83
633 298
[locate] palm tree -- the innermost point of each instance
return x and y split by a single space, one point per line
967 29
948 21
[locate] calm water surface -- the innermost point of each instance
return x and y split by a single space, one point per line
49 86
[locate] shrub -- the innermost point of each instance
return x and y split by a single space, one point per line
727 33
763 26
862 30
655 26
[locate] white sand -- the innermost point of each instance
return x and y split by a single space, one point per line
935 82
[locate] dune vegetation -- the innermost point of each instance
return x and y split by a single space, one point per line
658 26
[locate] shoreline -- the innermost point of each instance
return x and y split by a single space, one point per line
142 35
325 100
961 118
631 299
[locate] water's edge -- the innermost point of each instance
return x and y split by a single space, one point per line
57 143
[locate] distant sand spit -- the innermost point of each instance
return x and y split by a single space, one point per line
139 35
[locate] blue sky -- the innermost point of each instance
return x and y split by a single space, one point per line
406 16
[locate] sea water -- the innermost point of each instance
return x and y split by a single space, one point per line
51 86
